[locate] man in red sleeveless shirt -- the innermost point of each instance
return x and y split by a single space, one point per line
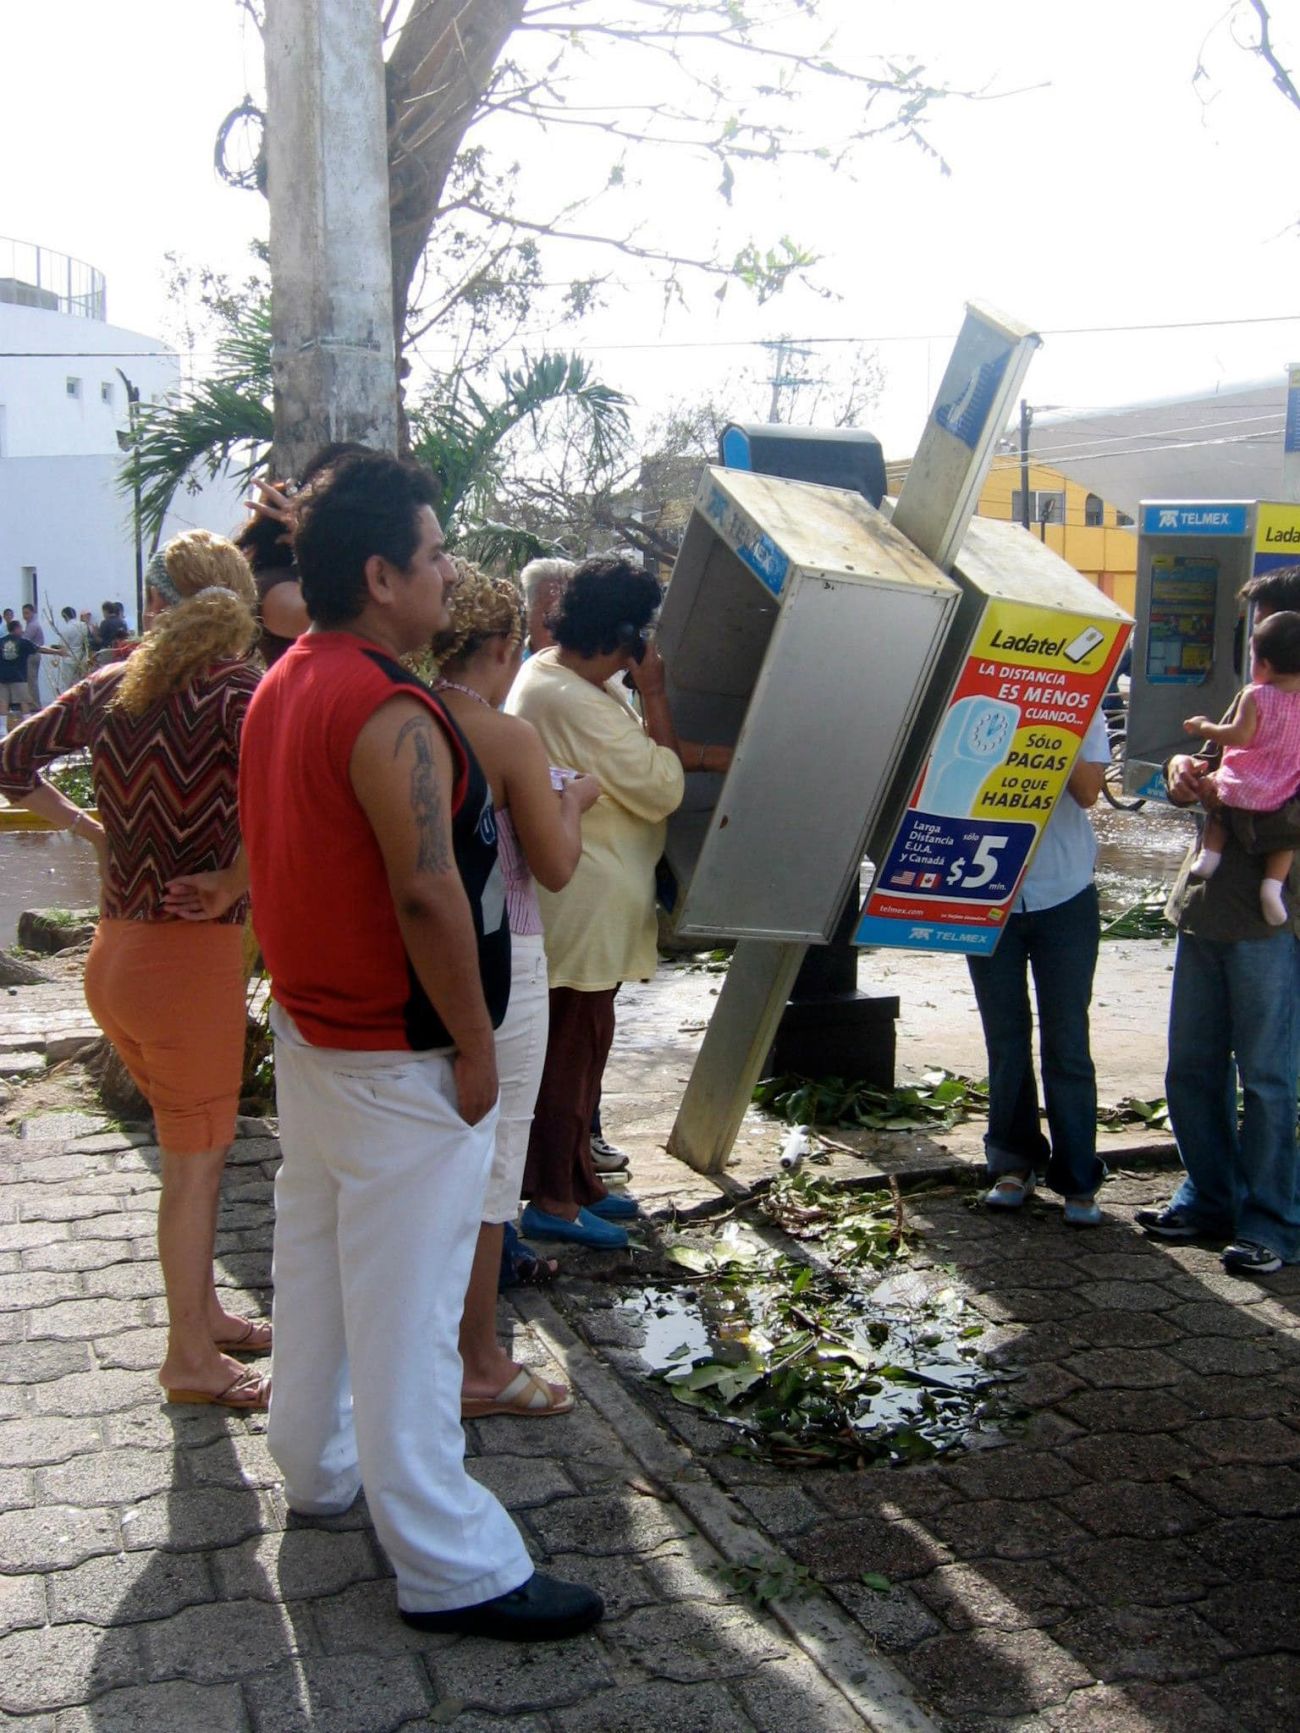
380 908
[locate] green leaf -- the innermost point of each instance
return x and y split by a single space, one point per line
693 1258
874 1580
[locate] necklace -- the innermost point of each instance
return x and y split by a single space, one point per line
441 685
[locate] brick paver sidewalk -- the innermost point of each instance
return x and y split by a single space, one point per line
1128 1563
1131 1559
152 1580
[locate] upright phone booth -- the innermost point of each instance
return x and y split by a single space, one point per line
799 629
1189 643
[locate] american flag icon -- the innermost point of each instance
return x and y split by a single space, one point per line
903 879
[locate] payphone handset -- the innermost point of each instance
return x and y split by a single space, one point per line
976 737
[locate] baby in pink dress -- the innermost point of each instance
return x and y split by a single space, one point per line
1260 769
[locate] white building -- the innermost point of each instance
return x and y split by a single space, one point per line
1223 444
66 531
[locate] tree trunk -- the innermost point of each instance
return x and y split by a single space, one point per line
436 76
332 352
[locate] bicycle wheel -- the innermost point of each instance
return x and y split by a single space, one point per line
1112 782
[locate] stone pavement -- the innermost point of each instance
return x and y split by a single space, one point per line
151 1577
1130 1558
1127 1560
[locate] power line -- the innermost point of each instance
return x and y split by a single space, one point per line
925 336
661 344
1265 436
1083 444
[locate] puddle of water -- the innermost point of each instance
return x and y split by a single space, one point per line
42 869
1137 850
890 1373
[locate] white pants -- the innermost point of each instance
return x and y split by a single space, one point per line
378 1203
521 1053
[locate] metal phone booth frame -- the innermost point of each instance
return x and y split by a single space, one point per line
799 629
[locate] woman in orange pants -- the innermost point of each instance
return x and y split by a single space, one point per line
164 979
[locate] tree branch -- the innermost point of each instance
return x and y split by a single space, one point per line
1281 77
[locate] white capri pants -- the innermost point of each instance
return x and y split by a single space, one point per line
521 1053
377 1204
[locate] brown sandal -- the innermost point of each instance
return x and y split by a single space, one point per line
255 1339
526 1395
250 1392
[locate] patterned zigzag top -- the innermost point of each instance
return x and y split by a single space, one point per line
166 782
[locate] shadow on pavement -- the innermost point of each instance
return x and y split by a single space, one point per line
1129 1558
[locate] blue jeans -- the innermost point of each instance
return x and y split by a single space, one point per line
1059 945
1235 1009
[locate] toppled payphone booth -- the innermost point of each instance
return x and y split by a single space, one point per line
1023 673
799 629
1189 651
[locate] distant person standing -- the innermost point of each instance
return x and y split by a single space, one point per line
16 655
34 633
543 584
72 649
112 625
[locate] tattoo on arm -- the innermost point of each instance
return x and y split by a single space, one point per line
426 797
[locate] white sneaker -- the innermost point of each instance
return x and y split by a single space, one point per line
606 1157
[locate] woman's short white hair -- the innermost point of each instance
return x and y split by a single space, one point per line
548 571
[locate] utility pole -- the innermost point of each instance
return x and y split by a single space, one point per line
332 346
1026 422
131 443
784 378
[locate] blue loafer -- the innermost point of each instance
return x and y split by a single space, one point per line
614 1209
1082 1212
1010 1191
588 1230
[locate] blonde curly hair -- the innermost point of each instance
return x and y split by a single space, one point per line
210 617
481 607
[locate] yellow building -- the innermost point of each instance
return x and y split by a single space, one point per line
1096 539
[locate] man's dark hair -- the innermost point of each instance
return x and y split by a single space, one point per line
16 625
1277 641
1276 589
368 505
68 613
605 606
29 607
331 456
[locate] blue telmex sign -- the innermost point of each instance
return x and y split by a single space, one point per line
1194 520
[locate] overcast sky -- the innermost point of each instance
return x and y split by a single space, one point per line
1113 191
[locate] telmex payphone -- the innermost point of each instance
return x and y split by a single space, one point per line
799 628
1189 654
805 631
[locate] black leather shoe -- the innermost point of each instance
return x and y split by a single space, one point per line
542 1610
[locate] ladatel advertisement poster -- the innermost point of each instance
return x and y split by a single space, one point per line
1032 682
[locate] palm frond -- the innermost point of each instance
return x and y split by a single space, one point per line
505 546
460 438
222 421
